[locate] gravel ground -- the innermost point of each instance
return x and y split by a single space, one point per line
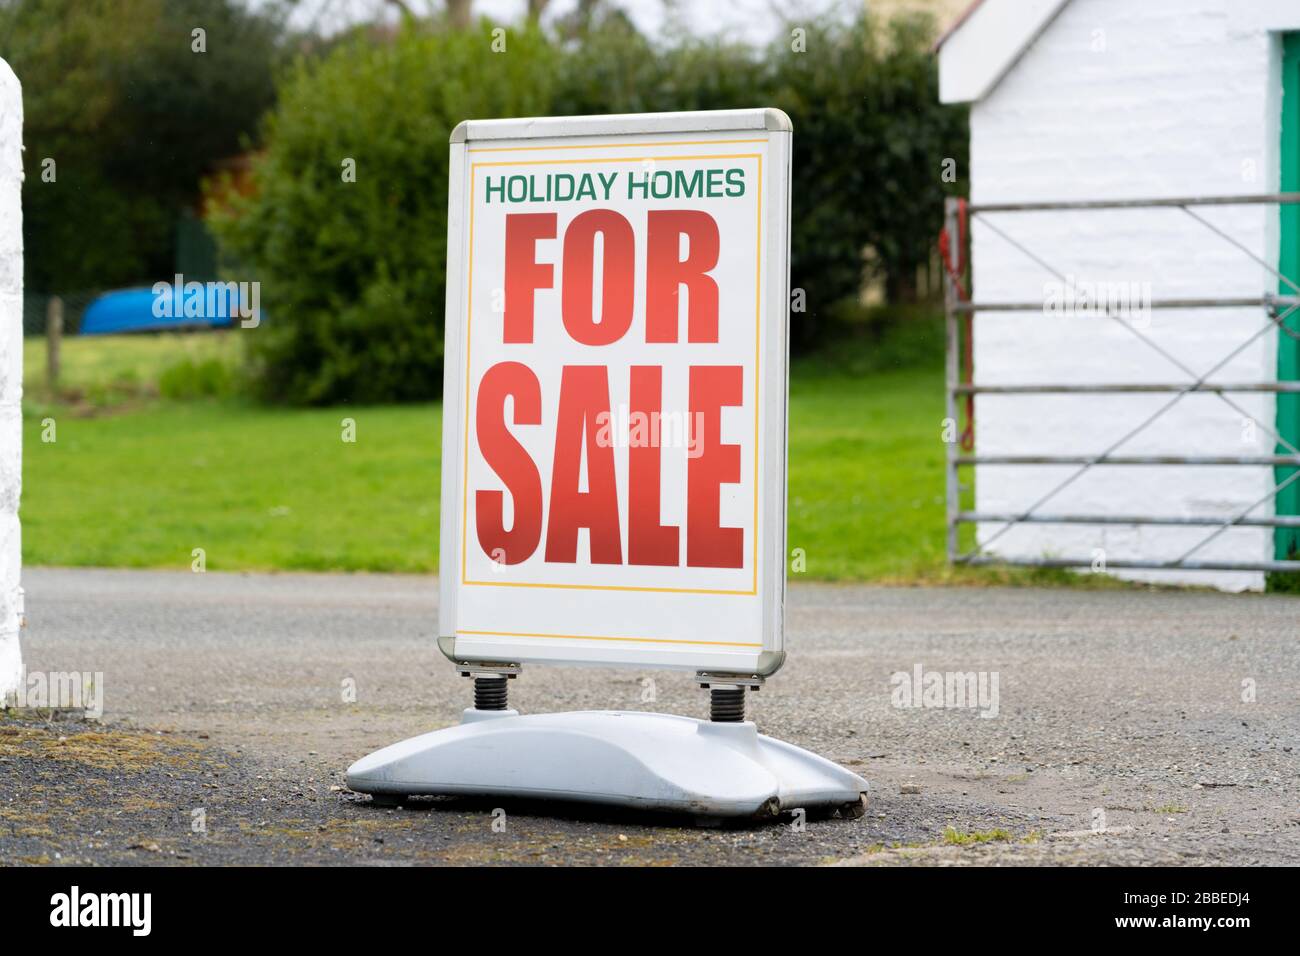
1132 727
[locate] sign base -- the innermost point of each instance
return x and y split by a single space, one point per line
641 761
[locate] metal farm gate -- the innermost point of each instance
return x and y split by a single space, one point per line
960 389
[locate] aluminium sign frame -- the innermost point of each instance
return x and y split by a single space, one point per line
716 629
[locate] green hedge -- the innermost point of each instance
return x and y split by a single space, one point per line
352 273
131 118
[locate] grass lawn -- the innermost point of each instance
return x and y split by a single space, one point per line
866 473
263 488
255 488
142 484
106 371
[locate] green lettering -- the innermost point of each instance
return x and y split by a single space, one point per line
736 179
688 188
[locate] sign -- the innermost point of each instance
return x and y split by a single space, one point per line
614 428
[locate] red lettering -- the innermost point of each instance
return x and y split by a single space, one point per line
618 268
584 396
524 274
648 541
512 464
666 273
707 544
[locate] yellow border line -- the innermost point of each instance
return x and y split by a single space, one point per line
758 339
601 587
469 320
682 142
758 316
595 637
615 159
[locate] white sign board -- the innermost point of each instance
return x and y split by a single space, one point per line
614 427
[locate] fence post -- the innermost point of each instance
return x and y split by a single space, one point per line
53 341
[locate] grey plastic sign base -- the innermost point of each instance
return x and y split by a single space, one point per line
627 759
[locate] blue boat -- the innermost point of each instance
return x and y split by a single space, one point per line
137 310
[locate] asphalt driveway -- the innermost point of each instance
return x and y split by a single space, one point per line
1127 727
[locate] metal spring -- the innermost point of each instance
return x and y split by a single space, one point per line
490 693
727 704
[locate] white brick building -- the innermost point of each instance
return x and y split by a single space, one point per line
1111 99
11 373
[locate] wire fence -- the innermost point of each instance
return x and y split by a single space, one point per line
36 311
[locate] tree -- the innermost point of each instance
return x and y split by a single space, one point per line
352 266
870 140
458 12
870 135
353 271
132 116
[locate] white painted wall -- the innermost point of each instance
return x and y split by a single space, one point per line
986 44
11 374
1184 99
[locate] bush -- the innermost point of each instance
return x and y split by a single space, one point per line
861 340
353 272
188 379
132 117
870 138
870 141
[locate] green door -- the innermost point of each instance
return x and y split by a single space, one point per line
1287 540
